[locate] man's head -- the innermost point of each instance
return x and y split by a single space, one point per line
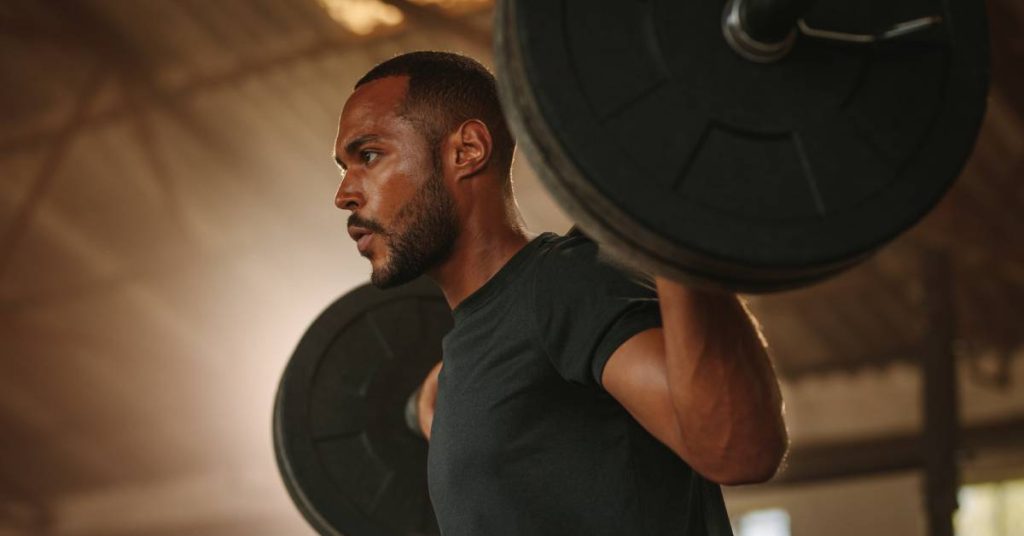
415 128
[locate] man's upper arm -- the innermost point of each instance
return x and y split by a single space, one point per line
585 308
600 326
636 376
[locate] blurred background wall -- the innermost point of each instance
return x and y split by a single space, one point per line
167 232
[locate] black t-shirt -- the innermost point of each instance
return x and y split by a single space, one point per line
525 441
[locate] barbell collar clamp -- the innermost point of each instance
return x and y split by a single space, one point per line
412 413
735 30
895 31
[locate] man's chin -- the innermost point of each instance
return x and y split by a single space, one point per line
386 281
387 277
382 277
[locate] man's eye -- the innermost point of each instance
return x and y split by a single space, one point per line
369 156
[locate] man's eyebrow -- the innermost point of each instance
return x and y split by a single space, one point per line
353 146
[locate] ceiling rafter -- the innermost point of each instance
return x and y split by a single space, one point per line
204 83
142 123
326 44
60 145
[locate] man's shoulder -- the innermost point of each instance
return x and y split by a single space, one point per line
570 246
580 260
575 250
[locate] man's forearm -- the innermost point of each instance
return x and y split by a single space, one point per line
723 385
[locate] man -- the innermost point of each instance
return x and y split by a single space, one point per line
573 398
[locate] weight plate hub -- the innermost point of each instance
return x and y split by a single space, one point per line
349 461
667 146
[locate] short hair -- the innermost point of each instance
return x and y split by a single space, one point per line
445 90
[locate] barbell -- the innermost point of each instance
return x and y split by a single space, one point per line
752 145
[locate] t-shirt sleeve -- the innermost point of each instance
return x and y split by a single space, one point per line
585 308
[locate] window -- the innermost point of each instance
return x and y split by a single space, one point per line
768 522
991 509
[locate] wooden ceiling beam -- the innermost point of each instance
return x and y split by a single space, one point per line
939 395
826 365
893 453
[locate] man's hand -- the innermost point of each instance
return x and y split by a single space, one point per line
427 400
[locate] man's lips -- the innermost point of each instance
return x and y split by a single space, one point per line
362 237
364 242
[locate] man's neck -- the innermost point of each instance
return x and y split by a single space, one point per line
480 251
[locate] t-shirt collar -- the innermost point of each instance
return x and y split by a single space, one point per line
496 283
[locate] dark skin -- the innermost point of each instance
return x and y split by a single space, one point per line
702 384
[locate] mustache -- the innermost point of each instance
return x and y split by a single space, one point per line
366 223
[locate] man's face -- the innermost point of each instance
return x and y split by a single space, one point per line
403 217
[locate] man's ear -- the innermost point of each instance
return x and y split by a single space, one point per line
470 149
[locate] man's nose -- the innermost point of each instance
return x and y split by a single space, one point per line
347 198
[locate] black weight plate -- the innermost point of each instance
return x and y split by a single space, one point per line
348 459
666 145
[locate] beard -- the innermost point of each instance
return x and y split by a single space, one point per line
424 233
